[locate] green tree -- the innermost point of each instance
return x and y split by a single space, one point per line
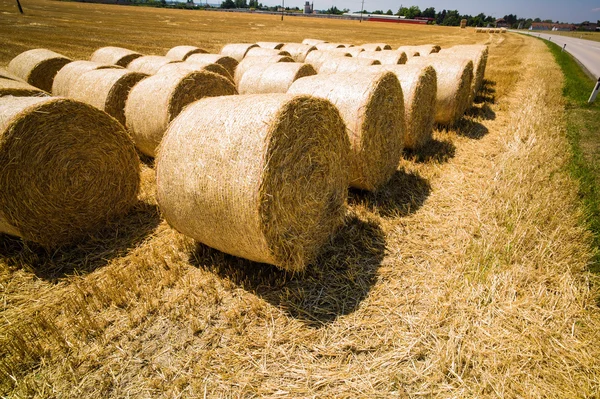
228 4
428 12
413 11
439 18
389 12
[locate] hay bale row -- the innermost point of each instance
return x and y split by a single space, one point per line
237 51
345 64
478 54
248 62
181 53
318 57
194 67
376 46
149 64
270 45
298 51
273 77
38 67
229 63
114 55
18 88
385 57
65 167
265 52
372 106
420 51
64 79
331 46
267 185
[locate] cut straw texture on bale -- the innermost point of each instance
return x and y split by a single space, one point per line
65 169
346 64
313 42
4 74
387 57
38 67
71 72
273 78
106 89
271 45
419 88
18 88
268 185
181 53
230 64
248 62
319 57
114 55
265 52
237 51
454 78
478 53
194 66
372 107
158 99
298 51
149 64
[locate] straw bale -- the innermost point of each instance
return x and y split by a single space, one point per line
318 57
375 46
248 62
114 55
478 53
267 185
372 106
68 74
265 52
271 45
195 66
181 53
158 99
38 67
4 74
230 64
65 167
454 78
237 51
386 57
353 51
346 64
298 51
329 46
419 87
106 89
273 77
313 42
149 64
18 88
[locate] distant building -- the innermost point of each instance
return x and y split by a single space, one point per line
587 25
552 26
501 23
308 8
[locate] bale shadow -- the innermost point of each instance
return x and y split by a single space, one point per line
469 128
484 112
438 151
335 285
92 252
403 195
487 94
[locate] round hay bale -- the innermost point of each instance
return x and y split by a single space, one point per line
269 185
376 46
265 52
106 89
248 62
298 51
273 78
329 46
230 64
158 99
478 53
114 55
66 168
318 57
38 67
195 66
346 65
237 51
180 53
372 107
454 78
419 88
353 51
68 74
410 51
420 51
386 57
4 74
271 45
312 42
149 64
18 88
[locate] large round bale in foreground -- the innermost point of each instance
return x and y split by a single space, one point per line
237 51
313 42
248 62
65 169
265 52
158 99
269 185
319 57
346 65
149 64
195 66
419 88
271 45
273 78
68 74
106 89
298 51
372 107
181 53
114 55
18 88
38 67
478 53
230 64
454 77
386 57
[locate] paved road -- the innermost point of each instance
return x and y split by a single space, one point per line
586 51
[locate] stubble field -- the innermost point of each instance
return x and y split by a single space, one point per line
465 276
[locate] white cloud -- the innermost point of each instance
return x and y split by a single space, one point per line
595 9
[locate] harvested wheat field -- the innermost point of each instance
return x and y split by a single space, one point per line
465 276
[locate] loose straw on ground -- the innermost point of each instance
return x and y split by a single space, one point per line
237 51
18 88
230 64
248 62
386 57
68 74
181 53
156 100
372 107
298 51
114 55
149 64
80 165
38 67
273 77
345 65
267 185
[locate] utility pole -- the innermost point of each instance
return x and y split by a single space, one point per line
20 8
362 9
282 8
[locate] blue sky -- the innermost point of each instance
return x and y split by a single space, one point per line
557 10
